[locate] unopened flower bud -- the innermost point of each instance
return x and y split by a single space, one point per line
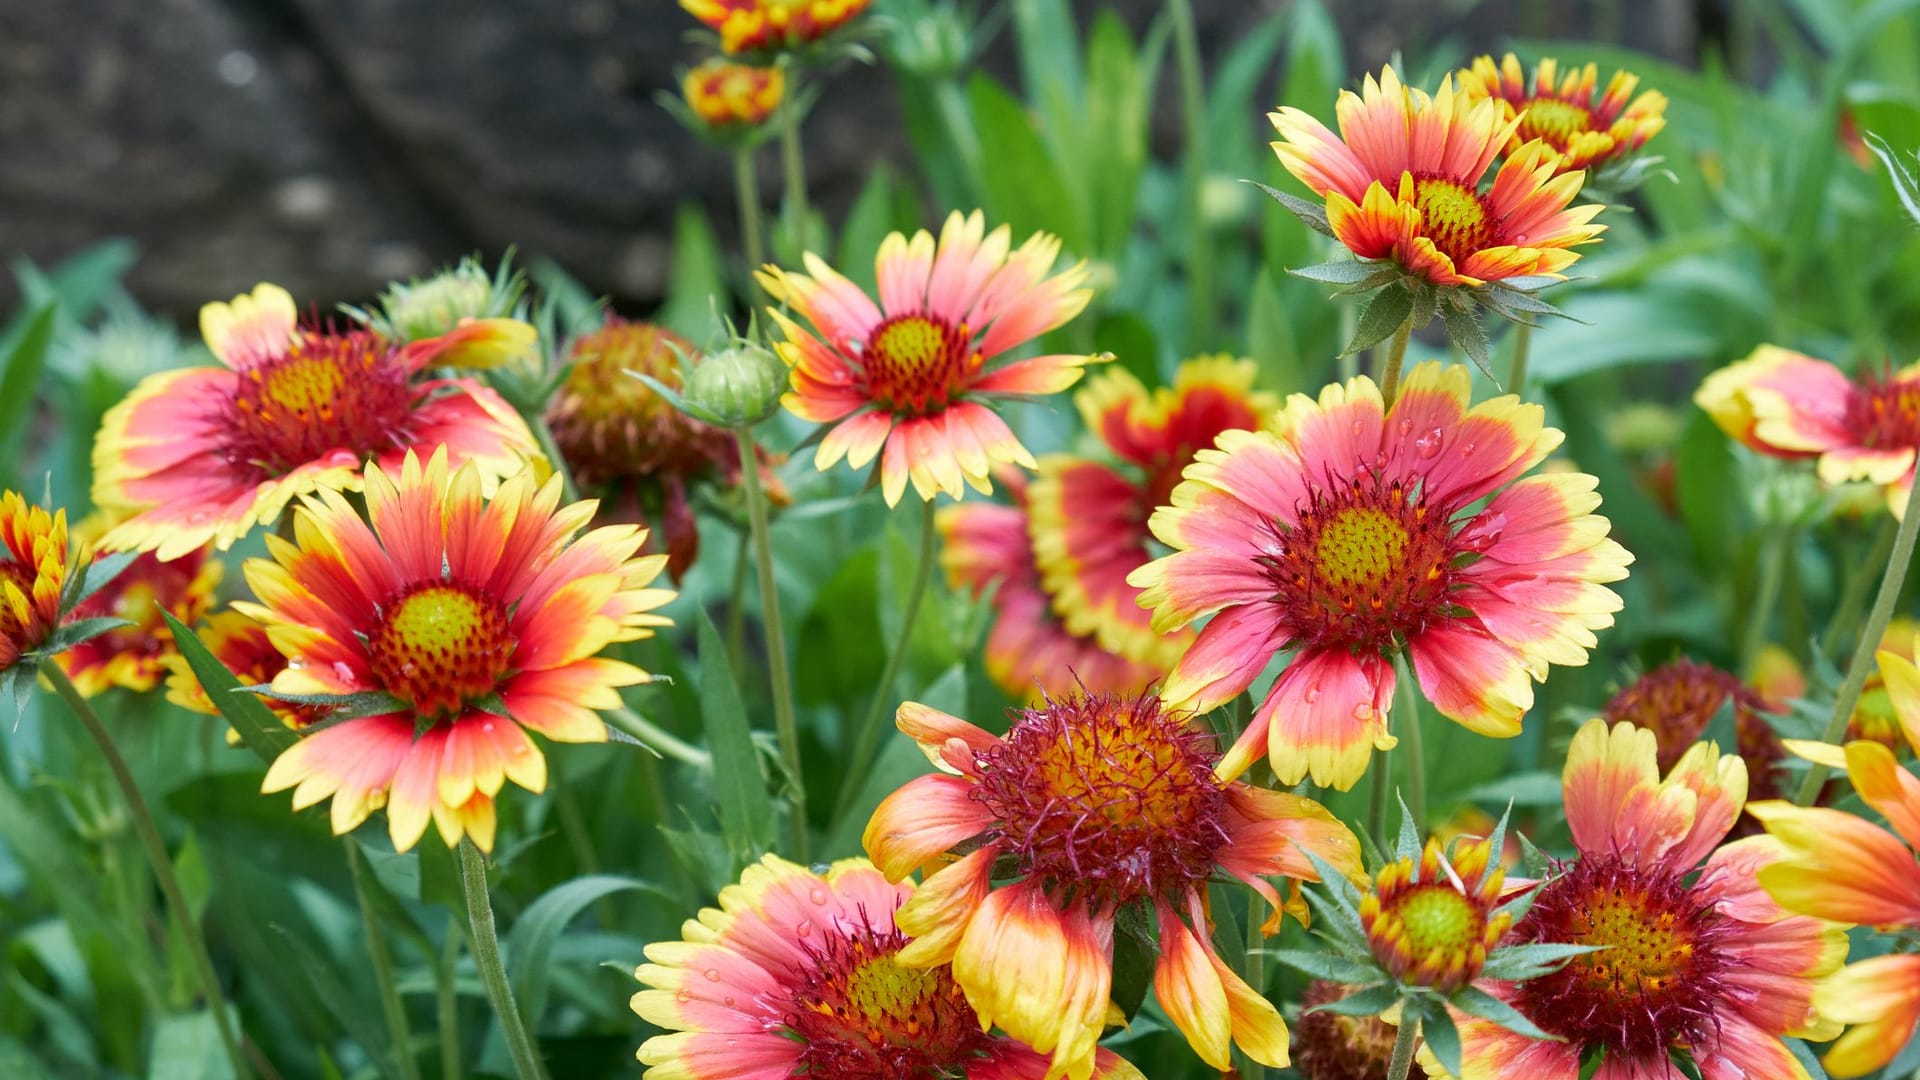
429 308
727 95
738 386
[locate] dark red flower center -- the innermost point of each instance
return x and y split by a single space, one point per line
1106 796
917 363
1677 702
1329 1046
440 647
863 1016
1657 981
1884 410
328 392
1365 566
1556 120
610 425
1455 217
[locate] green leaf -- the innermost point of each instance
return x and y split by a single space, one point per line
1465 331
697 286
739 785
1023 187
20 372
196 884
69 634
530 944
258 727
187 1048
1116 121
98 574
1133 963
1380 319
1476 1002
355 1012
1810 1061
1340 271
1271 340
1527 961
1325 965
1370 1001
1442 1038
1900 170
1538 788
1313 215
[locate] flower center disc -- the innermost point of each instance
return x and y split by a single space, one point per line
327 392
1439 919
914 363
1106 794
1362 567
1886 411
862 1016
1554 120
1454 217
1655 979
440 647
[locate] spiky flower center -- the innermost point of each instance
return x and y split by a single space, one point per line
1554 119
1438 918
1656 979
608 424
1365 566
1885 411
441 647
1454 216
326 393
916 363
863 1016
1105 795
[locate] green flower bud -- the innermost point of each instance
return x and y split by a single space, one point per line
424 309
739 386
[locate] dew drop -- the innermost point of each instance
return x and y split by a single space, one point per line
1466 449
684 995
712 974
1363 712
1312 695
1519 238
818 896
805 929
1428 445
1359 427
728 1000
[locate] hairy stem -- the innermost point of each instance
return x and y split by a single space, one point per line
493 974
781 677
1388 370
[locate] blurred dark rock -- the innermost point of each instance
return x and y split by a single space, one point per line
332 144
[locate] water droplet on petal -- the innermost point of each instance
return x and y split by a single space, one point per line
684 995
1466 449
1363 712
712 974
1312 694
805 929
818 896
1426 446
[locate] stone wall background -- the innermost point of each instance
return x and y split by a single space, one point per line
332 144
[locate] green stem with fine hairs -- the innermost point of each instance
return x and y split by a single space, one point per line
1402 1061
1409 708
1846 614
746 189
1517 373
1891 582
786 726
493 973
149 833
866 737
1387 372
1775 542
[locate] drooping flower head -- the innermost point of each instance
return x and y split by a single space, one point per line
1352 532
478 619
1402 181
1431 922
1793 406
1097 803
1678 700
1088 518
202 455
242 647
909 379
1029 652
629 444
133 656
727 96
1839 866
1332 1046
771 25
797 974
1561 110
35 562
1695 959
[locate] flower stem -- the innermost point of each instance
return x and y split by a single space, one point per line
658 739
390 1002
1517 374
1402 1062
1381 780
1388 370
781 677
1846 614
746 189
493 974
737 610
543 435
1409 707
143 824
1193 117
793 167
1775 542
1891 583
867 736
447 1005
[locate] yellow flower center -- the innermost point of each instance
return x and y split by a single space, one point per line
441 647
860 1015
881 991
1554 120
1361 547
327 393
916 363
1645 951
1439 919
1454 217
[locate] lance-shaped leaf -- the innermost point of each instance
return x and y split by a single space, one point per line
257 726
1312 215
1383 315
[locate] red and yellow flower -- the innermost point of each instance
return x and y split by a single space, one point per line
134 655
1402 181
909 379
1353 532
479 619
1838 866
798 973
1790 405
1678 700
1432 921
243 648
35 561
766 25
1694 957
1029 652
202 455
1562 111
729 95
1095 803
